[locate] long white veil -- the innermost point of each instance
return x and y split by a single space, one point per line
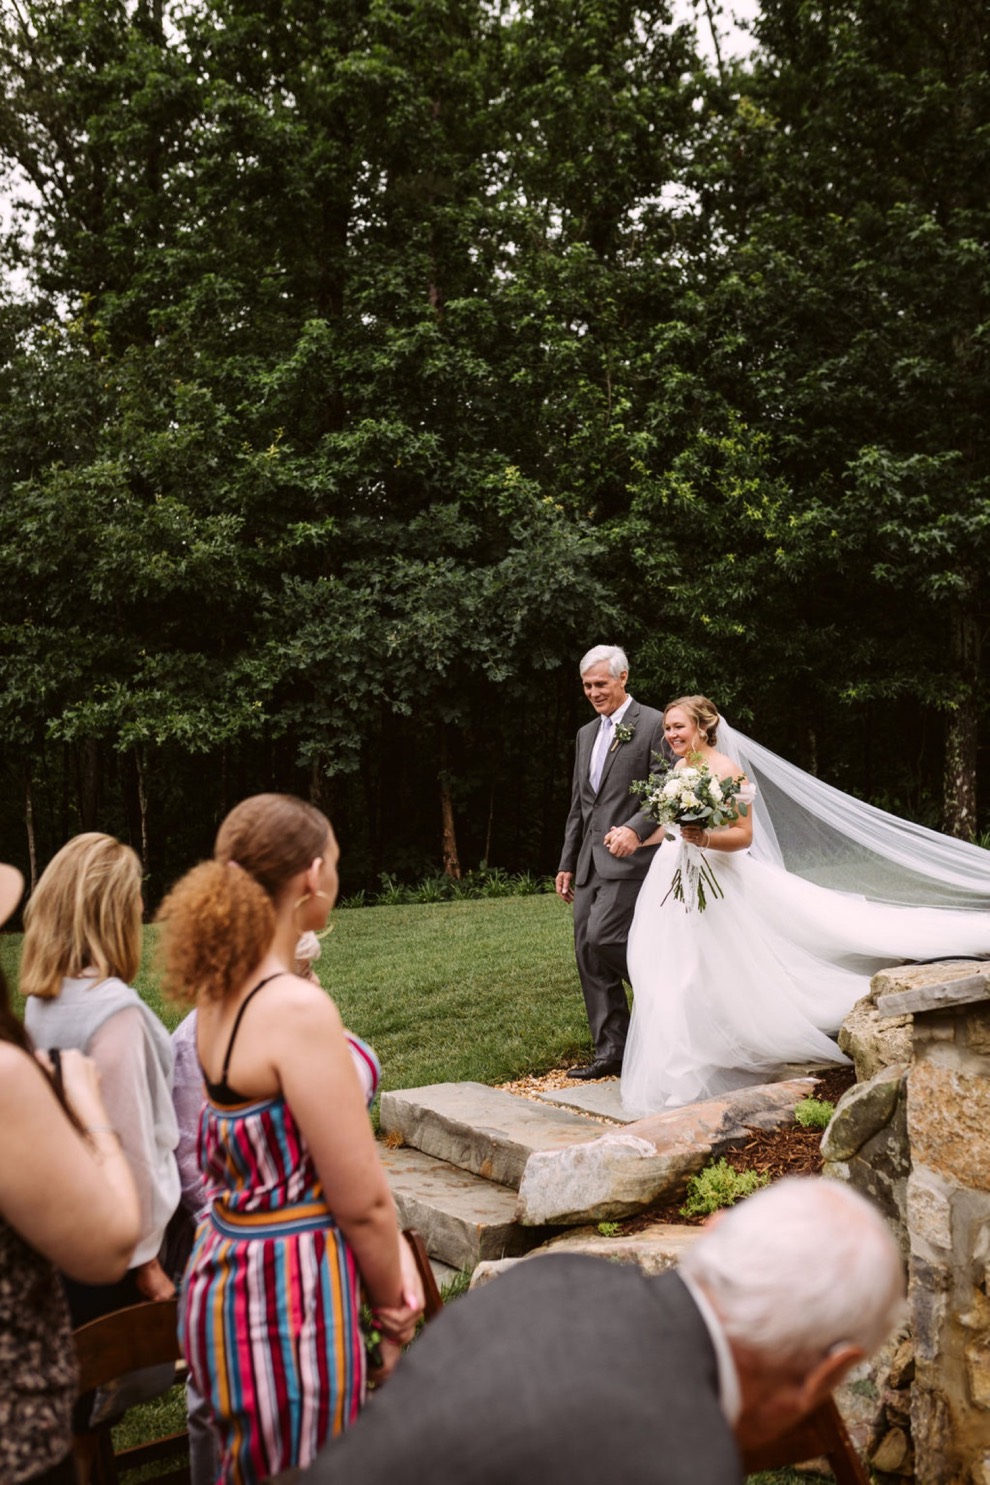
814 830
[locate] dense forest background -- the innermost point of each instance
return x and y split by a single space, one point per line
362 364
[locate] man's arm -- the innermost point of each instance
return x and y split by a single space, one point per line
573 832
624 839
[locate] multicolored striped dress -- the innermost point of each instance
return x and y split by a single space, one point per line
269 1316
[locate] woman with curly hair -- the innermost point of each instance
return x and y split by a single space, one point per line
301 1211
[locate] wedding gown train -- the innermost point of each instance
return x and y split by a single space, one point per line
767 974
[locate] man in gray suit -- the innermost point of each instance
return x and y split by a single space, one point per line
602 864
572 1370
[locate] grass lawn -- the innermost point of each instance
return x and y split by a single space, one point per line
481 990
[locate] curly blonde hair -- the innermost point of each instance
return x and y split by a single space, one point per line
85 913
218 921
703 713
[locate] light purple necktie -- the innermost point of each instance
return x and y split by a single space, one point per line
600 750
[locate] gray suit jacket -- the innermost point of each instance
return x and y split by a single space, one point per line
593 815
565 1371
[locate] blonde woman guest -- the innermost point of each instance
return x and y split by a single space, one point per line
301 1211
82 945
55 1141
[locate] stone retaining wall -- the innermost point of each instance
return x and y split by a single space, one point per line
917 1138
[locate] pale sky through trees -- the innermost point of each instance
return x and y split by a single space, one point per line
730 19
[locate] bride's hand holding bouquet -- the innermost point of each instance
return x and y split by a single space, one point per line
694 798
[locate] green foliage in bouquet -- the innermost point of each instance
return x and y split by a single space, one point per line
691 794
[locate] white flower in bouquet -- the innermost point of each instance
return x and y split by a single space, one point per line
691 794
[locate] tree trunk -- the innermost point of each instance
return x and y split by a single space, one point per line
142 805
451 859
959 780
29 826
491 822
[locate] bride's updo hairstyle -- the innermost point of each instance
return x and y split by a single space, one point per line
219 919
703 713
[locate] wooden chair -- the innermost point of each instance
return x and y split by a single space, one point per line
821 1433
431 1293
108 1348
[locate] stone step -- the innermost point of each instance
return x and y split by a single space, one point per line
480 1129
599 1099
626 1169
659 1246
602 1100
463 1217
443 1272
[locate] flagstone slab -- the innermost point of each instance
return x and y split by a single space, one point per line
483 1130
626 1170
603 1100
600 1100
657 1247
463 1218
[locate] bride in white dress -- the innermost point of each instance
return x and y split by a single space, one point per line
821 891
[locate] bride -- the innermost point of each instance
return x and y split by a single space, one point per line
820 891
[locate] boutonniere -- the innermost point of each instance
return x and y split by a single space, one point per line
623 734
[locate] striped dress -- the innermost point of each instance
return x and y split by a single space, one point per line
270 1300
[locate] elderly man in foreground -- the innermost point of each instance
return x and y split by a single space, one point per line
573 1370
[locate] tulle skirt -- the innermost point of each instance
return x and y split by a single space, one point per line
765 976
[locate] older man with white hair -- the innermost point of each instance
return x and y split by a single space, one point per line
602 863
572 1370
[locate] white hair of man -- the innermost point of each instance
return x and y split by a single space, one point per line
796 1270
609 655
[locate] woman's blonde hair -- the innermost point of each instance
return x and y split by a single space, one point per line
218 921
703 713
85 913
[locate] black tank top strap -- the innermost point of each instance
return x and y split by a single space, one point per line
222 1092
237 1019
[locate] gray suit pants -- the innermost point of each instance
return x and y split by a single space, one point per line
603 910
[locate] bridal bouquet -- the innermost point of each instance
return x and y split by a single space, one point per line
691 795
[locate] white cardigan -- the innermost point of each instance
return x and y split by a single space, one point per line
108 1021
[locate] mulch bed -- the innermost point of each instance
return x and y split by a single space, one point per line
790 1151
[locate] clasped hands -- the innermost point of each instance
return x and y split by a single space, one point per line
621 840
